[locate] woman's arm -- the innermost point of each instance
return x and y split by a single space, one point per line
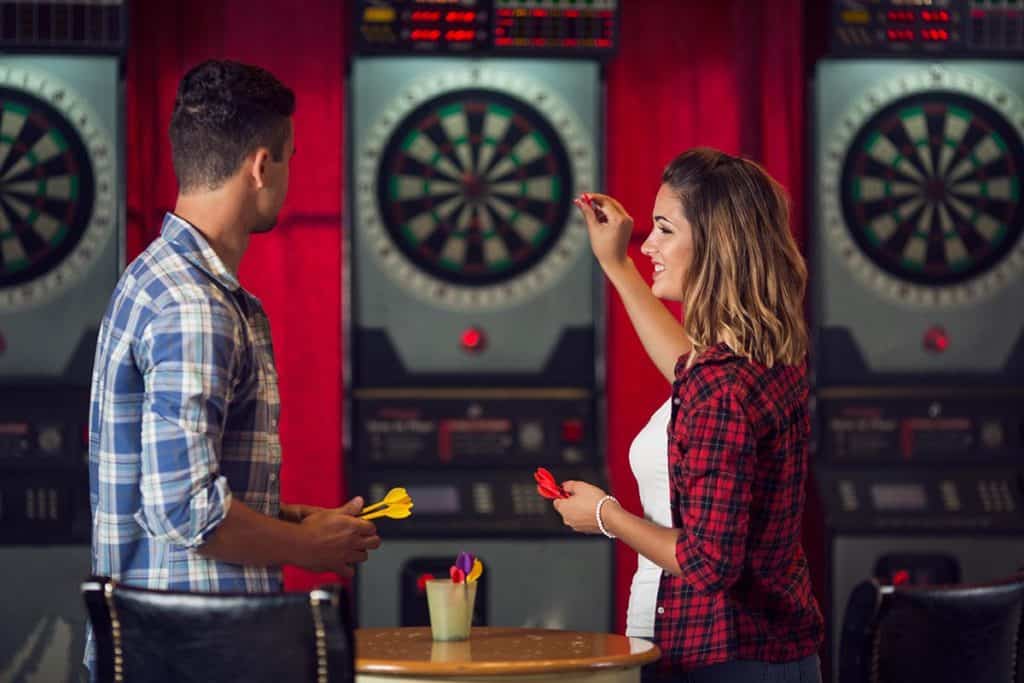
656 543
660 332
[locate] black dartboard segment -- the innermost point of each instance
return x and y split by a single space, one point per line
46 187
474 187
931 188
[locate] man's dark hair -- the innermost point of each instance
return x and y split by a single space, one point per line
223 111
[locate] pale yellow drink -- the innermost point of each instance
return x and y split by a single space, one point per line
451 608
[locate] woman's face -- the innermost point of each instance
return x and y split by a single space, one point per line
669 246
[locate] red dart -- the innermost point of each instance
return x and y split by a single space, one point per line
598 213
548 492
421 582
545 479
458 576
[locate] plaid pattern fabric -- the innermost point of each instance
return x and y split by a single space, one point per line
183 419
738 441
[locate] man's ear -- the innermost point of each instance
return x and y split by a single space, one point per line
258 167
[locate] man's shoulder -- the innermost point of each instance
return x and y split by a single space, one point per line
164 277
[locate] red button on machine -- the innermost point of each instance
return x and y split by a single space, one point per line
572 431
935 339
473 340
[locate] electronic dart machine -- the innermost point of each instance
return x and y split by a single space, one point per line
474 308
917 275
61 252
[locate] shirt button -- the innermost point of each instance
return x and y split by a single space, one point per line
661 610
676 401
273 477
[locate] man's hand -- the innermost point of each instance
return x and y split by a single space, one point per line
297 513
335 539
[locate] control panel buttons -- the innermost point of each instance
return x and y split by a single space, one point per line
483 498
531 435
848 495
525 500
992 434
950 496
572 455
51 440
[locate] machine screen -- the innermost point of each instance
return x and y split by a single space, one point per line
434 500
908 497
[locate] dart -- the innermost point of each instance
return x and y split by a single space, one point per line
391 511
601 217
396 504
547 486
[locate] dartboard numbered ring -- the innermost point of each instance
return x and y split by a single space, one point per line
464 188
57 187
921 188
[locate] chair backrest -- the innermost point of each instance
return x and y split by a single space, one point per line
933 634
171 636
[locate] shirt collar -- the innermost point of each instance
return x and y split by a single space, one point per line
713 354
193 247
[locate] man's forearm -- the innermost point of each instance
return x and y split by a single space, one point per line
249 537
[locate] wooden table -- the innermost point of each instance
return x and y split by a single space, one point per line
410 655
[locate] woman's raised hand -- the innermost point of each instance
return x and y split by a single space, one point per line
609 228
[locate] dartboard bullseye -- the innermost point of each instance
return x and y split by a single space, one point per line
922 189
56 188
466 190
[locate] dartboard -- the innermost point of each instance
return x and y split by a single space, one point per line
923 188
466 189
473 187
56 187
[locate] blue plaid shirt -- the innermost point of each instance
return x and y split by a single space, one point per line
183 419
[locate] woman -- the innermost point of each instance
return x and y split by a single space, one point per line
731 595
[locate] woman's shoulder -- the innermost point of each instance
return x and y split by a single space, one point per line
720 372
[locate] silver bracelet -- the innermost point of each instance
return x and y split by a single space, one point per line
597 514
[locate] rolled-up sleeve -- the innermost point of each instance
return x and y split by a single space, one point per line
187 354
715 490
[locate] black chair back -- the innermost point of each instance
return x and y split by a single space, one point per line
933 634
178 637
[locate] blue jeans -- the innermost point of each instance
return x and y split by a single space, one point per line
806 670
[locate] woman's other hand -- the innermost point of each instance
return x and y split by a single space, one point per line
609 228
577 510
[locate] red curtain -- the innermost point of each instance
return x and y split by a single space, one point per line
727 74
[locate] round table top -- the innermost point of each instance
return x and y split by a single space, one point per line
496 651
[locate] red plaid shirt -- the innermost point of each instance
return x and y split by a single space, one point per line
737 459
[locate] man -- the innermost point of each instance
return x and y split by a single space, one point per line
183 440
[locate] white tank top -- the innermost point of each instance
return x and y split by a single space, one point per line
648 458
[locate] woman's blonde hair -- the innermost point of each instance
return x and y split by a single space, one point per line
746 282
